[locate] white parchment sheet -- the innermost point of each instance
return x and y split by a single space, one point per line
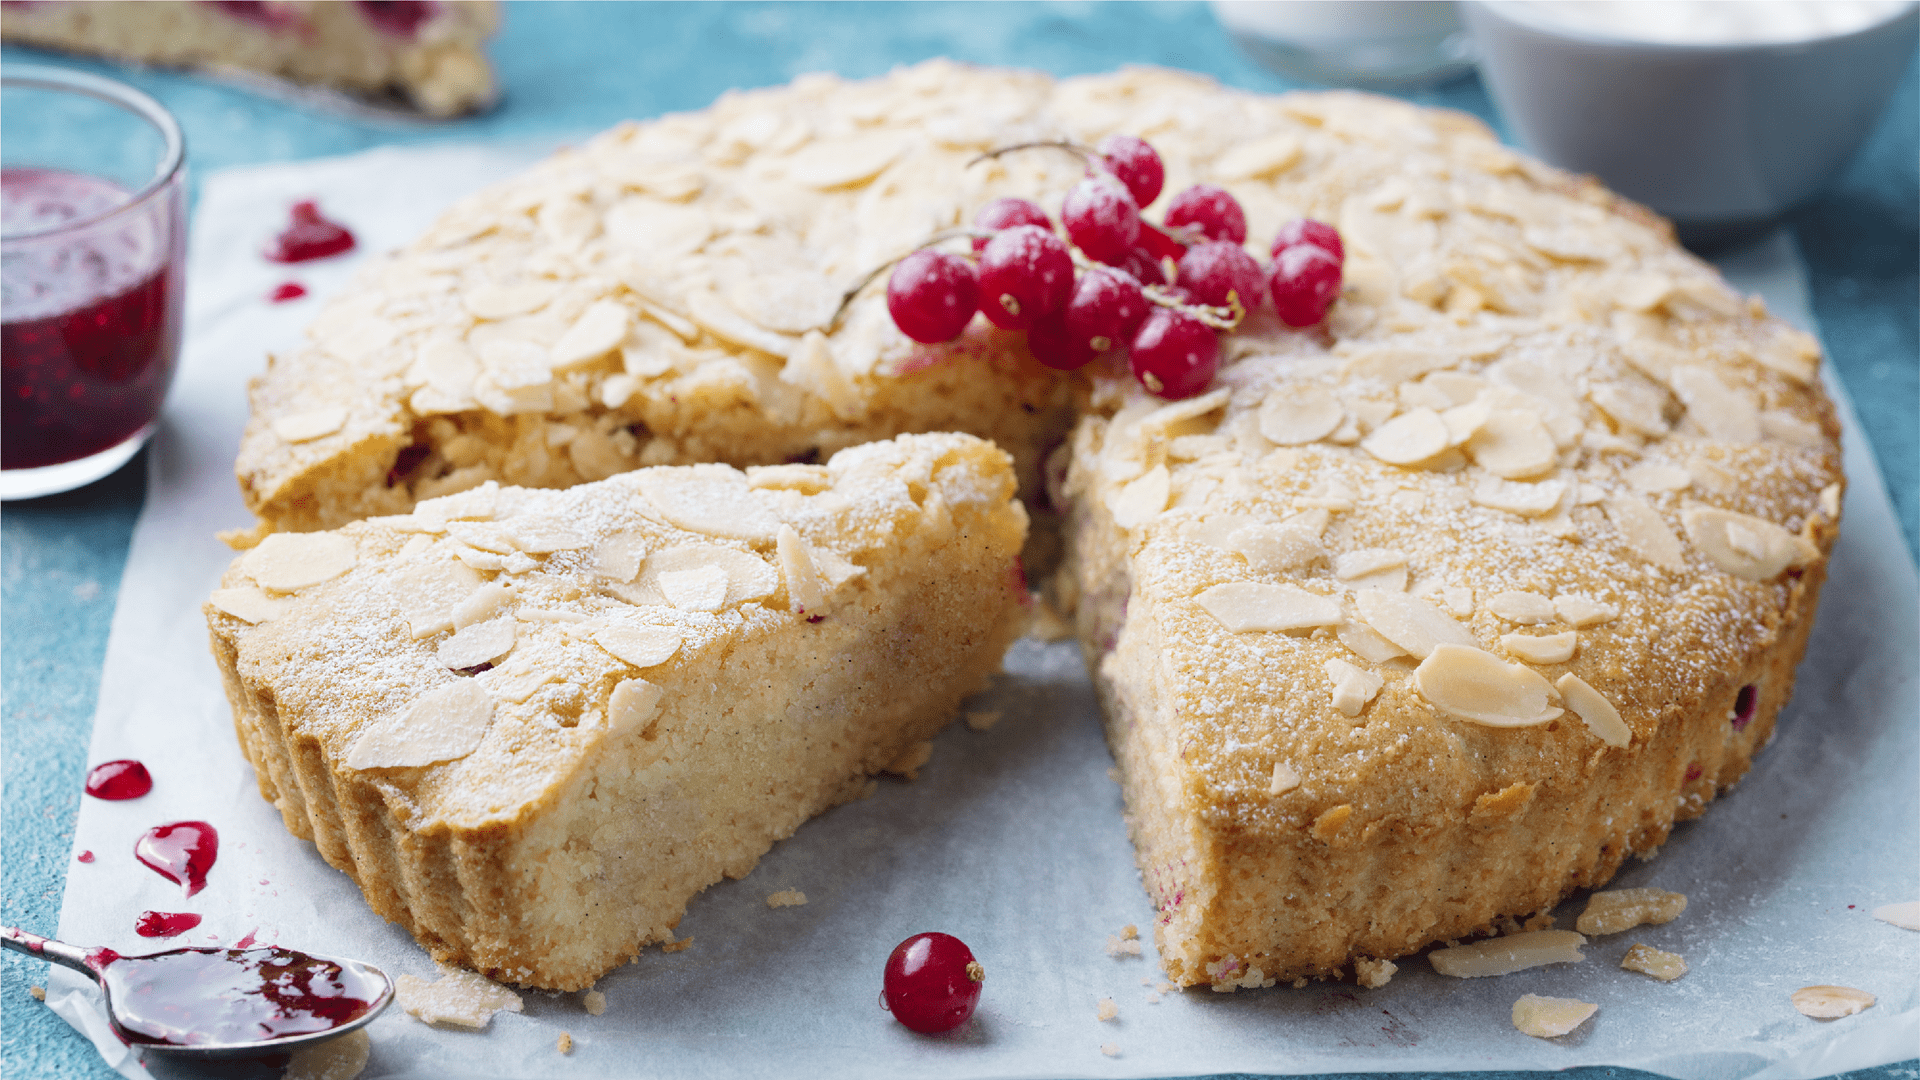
1012 837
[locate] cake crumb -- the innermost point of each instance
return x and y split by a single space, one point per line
1110 1049
461 998
1129 932
1540 921
595 1002
983 719
682 945
1113 773
1648 960
1153 997
39 992
1118 947
565 1045
1300 983
907 765
787 898
1373 974
1107 1010
1550 1017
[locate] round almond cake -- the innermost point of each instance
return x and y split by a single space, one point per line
1412 622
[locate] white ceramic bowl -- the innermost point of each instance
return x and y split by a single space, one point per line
1721 138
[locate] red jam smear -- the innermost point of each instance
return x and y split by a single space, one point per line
181 852
309 236
291 290
117 780
91 328
85 856
274 17
192 997
165 923
399 18
1745 704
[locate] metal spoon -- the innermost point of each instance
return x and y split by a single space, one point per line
117 985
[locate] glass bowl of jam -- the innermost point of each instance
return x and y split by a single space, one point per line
93 223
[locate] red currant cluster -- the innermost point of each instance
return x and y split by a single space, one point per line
1162 292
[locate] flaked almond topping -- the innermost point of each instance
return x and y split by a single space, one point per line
1549 649
1783 426
1334 495
428 594
1831 1002
703 588
618 557
641 645
1465 421
1656 476
806 589
1593 708
1793 353
1904 915
806 479
1725 414
1514 444
480 643
1645 532
1259 158
1525 608
1285 779
1366 644
1243 606
1408 438
748 576
1505 955
1410 622
1743 545
1526 500
312 424
1352 687
1550 1017
718 318
286 562
1293 416
1634 405
249 604
1830 501
632 705
1580 612
1273 549
482 604
1458 600
1173 414
1472 684
482 535
597 332
1141 499
490 301
538 537
712 500
1366 562
1617 910
445 723
1648 960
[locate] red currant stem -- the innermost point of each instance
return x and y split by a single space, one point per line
941 237
1092 156
1220 318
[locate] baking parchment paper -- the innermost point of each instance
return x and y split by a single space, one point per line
1012 837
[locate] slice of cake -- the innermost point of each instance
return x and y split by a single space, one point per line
425 52
531 725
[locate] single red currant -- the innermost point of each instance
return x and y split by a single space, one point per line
1026 274
1216 268
1144 268
1210 211
932 295
1136 164
1005 214
1053 343
1107 307
1309 231
1174 354
1305 282
932 983
1101 218
1158 245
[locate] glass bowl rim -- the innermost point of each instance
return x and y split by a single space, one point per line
113 92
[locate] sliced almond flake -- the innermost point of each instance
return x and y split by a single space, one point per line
553 615
1410 622
806 590
494 302
461 998
836 163
1141 499
286 562
1243 606
512 400
1793 353
428 595
1619 910
1366 562
480 643
1546 649
1633 405
1784 426
1409 438
1258 159
474 504
1464 421
1164 418
713 500
806 479
1514 444
749 577
1372 413
312 424
1725 414
445 723
642 645
249 604
539 537
1472 684
1391 579
1458 600
785 297
719 319
703 588
1352 687
1285 779
1645 532
1648 960
656 233
1506 955
1422 395
1459 386
515 365
485 535
1550 1017
1580 612
486 602
1525 499
1743 545
1658 476
1830 501
1831 1002
618 557
1293 416
1903 915
1642 292
1394 364
597 332
811 367
1601 718
1366 644
1519 606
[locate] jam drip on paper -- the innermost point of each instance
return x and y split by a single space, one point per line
117 780
181 852
309 236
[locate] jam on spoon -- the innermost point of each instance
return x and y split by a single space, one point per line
223 1002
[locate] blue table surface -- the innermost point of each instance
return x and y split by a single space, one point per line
573 68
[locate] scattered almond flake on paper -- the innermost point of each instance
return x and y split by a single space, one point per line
983 719
287 562
461 998
1550 1017
1107 1010
250 604
314 423
1648 960
681 945
1903 915
443 724
787 898
1623 909
1831 1002
1505 955
1593 708
1285 779
335 1059
1373 974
